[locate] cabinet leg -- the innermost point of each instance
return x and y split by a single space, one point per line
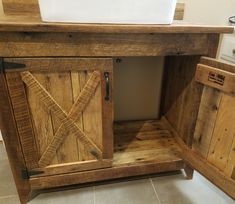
188 171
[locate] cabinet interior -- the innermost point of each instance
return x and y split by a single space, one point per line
149 137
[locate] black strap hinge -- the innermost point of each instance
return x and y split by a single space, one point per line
13 65
27 174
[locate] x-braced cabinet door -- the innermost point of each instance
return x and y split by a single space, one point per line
63 111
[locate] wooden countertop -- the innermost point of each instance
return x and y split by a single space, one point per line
34 24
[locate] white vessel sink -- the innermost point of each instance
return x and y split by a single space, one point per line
108 11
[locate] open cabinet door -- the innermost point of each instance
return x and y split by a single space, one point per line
63 112
213 148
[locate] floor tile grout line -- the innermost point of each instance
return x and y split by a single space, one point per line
155 191
9 196
94 194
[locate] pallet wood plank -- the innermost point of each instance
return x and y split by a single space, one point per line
205 124
23 120
46 44
41 117
61 91
223 134
230 167
216 78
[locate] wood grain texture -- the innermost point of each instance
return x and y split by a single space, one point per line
188 171
206 119
23 119
70 167
41 116
230 167
101 44
223 134
181 98
51 104
216 78
60 63
30 23
60 89
12 141
108 116
200 164
132 156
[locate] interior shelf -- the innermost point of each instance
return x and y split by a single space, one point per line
144 142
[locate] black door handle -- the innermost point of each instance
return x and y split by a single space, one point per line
107 91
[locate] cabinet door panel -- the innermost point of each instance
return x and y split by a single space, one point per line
59 113
214 137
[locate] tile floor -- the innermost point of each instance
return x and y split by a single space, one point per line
166 189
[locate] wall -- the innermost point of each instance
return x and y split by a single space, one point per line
215 12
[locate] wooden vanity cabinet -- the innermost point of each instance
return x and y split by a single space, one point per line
63 113
56 104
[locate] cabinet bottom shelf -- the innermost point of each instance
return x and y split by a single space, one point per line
144 142
140 148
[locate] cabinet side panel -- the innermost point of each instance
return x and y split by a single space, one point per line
11 141
181 94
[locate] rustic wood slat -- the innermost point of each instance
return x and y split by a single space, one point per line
23 119
60 90
200 164
216 78
40 116
206 119
223 134
230 167
181 98
60 64
74 113
46 44
131 158
71 167
45 97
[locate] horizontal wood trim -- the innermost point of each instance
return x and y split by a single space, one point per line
104 174
73 167
34 24
97 45
212 62
216 78
59 64
200 164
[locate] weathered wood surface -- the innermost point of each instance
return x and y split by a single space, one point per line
12 141
101 44
23 119
216 78
205 124
30 23
135 153
181 98
73 97
212 173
